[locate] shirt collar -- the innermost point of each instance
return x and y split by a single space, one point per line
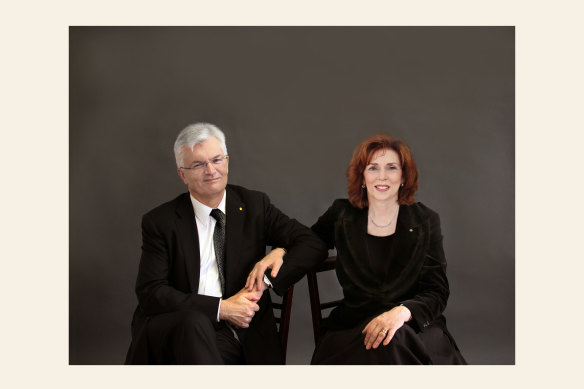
203 212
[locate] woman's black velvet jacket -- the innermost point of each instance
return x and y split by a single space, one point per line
416 272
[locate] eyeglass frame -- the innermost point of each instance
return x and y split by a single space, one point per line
203 165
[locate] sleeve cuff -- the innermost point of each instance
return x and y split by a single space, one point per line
267 281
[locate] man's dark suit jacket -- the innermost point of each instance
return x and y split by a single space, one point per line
168 276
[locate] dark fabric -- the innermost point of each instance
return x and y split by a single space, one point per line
229 347
407 347
188 337
379 248
415 276
219 244
168 275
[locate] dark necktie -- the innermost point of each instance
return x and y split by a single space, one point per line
219 243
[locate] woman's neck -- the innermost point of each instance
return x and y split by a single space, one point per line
383 208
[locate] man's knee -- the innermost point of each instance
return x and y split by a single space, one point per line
183 337
191 329
179 324
190 319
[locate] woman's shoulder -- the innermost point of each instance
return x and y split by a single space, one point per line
341 203
338 208
422 211
344 206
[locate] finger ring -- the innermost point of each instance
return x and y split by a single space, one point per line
383 331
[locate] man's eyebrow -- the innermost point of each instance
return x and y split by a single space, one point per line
217 156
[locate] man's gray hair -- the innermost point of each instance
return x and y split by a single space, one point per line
192 135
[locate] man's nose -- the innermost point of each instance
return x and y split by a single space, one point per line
209 168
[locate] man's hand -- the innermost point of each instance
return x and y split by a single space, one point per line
240 308
273 260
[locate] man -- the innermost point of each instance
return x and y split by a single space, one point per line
197 304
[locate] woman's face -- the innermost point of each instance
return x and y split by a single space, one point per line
383 176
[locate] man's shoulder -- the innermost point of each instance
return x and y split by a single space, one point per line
168 207
245 193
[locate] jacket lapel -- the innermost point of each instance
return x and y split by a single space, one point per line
355 230
235 211
406 237
189 238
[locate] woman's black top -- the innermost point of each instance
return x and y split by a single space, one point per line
379 248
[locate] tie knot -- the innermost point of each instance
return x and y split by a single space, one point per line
218 215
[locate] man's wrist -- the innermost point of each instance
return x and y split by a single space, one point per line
267 281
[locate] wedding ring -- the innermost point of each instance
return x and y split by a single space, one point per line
383 331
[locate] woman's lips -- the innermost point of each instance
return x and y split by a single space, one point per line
382 188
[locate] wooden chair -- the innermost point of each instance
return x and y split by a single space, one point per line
316 307
283 319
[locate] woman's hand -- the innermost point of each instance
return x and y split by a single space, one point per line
273 260
384 326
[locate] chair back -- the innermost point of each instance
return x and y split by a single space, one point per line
316 306
283 318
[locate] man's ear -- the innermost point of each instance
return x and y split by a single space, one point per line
181 174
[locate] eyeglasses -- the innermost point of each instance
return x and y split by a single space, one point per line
199 166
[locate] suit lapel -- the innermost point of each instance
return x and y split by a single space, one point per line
235 211
189 238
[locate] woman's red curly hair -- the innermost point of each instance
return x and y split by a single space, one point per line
361 158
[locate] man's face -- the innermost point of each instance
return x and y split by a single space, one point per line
207 176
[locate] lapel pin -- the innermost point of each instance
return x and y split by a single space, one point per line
241 209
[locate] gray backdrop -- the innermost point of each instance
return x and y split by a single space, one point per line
293 102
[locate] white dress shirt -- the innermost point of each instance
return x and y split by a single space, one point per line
209 283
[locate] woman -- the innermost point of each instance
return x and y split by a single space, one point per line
390 264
